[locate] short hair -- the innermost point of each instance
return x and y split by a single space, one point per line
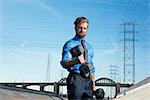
80 19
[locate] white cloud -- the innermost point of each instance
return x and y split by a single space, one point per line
48 8
110 51
113 50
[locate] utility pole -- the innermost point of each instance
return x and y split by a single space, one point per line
48 69
129 52
114 72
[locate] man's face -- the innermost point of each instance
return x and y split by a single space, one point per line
81 29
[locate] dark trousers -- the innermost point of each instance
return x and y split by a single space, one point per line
79 87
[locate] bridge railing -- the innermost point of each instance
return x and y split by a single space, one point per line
56 85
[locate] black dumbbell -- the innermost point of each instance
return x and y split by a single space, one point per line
99 93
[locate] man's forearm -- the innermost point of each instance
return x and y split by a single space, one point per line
93 79
70 63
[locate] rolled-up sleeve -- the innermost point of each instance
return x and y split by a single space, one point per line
93 68
91 61
66 55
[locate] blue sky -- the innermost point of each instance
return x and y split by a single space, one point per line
31 29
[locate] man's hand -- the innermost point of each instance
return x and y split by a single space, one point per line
81 59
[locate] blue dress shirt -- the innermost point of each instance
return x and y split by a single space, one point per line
66 55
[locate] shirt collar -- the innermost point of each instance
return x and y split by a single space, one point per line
77 38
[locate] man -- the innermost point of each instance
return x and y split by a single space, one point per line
80 81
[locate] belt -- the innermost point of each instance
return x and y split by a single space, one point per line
75 73
83 76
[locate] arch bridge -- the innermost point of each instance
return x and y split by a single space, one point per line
99 82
